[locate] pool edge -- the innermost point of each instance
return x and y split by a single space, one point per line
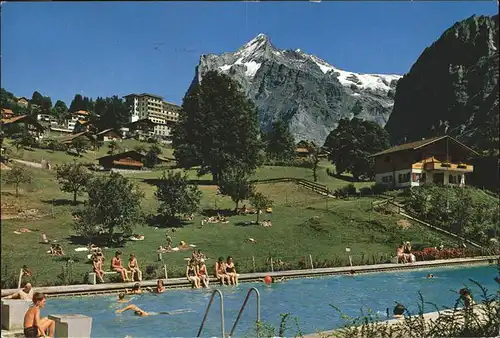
179 283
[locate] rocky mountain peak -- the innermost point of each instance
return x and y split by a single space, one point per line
302 89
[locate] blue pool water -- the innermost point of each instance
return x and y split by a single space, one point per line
308 299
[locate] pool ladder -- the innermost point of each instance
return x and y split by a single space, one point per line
221 297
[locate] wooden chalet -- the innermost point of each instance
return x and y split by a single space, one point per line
108 135
7 113
25 123
302 152
126 160
440 160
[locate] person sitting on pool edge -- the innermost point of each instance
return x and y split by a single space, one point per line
26 293
220 271
33 325
192 274
231 271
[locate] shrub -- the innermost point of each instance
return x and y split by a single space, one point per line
346 191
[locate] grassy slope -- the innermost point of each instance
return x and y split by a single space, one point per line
59 157
340 224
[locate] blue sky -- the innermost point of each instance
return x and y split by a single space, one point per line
116 48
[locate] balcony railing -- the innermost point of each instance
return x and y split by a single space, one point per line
461 167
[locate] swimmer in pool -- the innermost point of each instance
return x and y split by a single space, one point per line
430 275
121 298
141 313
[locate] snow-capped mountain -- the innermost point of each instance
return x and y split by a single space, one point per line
302 89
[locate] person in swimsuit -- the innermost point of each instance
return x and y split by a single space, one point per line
160 288
121 298
231 271
202 273
191 274
136 289
220 272
141 313
33 325
134 268
25 293
116 265
99 272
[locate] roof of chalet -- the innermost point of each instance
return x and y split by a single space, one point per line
73 136
81 112
22 98
7 111
20 118
102 132
121 155
302 150
419 144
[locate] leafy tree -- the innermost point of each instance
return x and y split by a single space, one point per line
18 175
73 177
6 98
37 98
218 127
260 202
113 147
176 196
80 144
46 105
114 113
352 142
280 142
236 184
114 203
60 109
152 155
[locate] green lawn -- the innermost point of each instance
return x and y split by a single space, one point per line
304 224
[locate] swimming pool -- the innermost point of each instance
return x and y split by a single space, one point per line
308 299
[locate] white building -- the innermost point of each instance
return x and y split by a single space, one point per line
154 108
81 115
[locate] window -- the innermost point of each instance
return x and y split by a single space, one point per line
403 178
387 179
452 179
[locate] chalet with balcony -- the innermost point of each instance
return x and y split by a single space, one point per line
22 101
126 160
439 160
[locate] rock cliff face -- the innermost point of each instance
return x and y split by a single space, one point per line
303 90
452 88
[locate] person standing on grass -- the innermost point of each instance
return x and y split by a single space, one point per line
116 265
33 325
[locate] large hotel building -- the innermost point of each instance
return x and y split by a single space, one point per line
153 107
